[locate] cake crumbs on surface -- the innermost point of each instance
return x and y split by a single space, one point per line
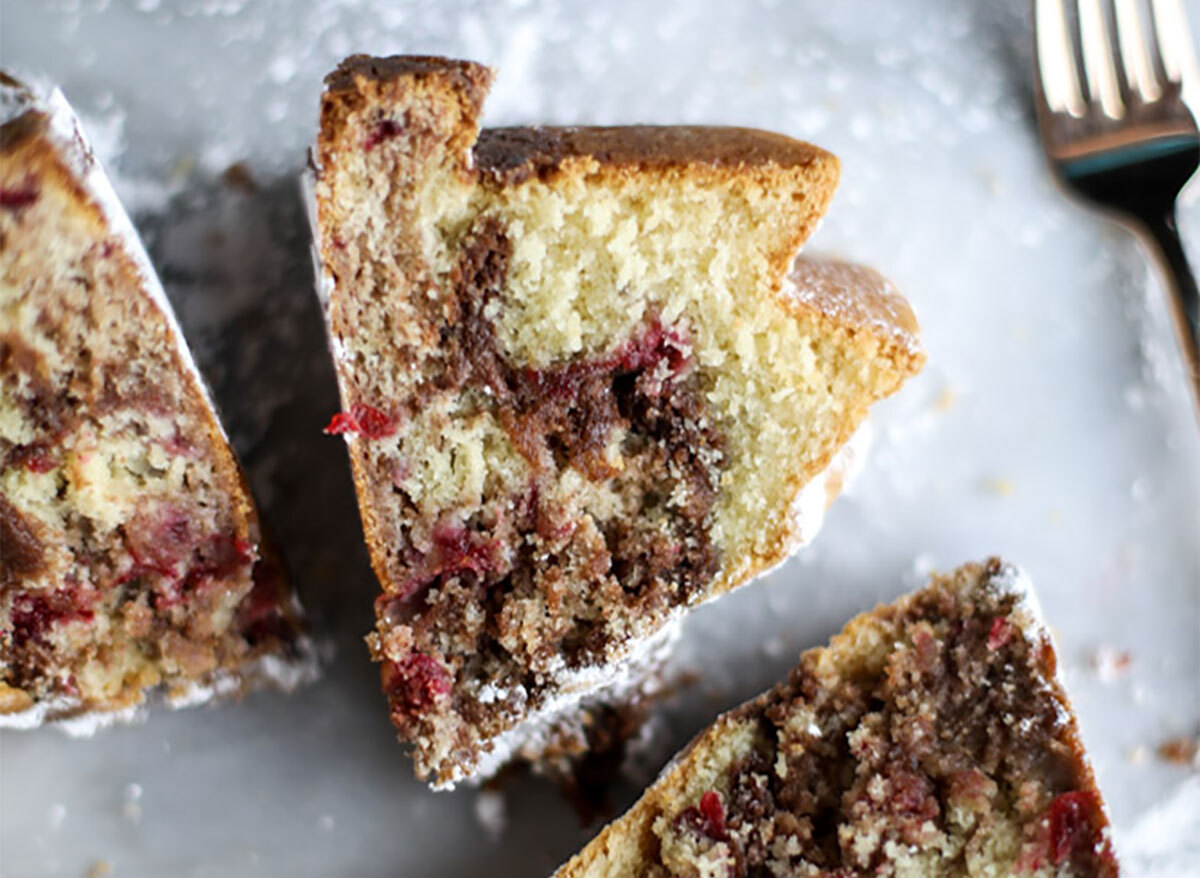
131 804
491 812
998 486
947 398
100 869
1110 663
56 816
1181 750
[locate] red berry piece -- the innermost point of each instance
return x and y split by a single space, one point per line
34 614
385 130
1071 827
416 683
999 634
713 813
260 614
372 423
363 420
40 463
19 197
341 423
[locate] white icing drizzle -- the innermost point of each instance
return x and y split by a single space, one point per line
61 712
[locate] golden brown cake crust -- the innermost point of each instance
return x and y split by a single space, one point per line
512 155
467 77
630 845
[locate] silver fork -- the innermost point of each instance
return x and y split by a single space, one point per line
1110 99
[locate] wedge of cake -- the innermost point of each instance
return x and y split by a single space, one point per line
131 554
579 391
932 737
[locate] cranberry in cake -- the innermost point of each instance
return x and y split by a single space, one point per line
932 737
580 392
131 554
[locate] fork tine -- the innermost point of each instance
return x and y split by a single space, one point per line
1125 88
1143 83
1098 65
1177 50
1055 58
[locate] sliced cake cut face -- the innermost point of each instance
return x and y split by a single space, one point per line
132 555
579 393
932 737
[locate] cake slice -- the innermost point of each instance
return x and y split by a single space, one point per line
579 391
932 737
131 554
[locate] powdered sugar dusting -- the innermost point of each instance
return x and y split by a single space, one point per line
1012 580
69 715
576 690
1027 613
63 713
1165 842
284 674
854 295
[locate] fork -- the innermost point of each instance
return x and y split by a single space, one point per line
1124 139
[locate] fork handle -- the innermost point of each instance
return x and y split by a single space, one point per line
1185 301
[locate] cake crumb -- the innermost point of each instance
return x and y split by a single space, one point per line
946 400
922 565
774 647
238 176
1110 663
99 869
990 180
1136 755
1000 487
490 812
131 806
57 815
1181 750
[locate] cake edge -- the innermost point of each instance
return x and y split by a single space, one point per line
666 792
62 131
